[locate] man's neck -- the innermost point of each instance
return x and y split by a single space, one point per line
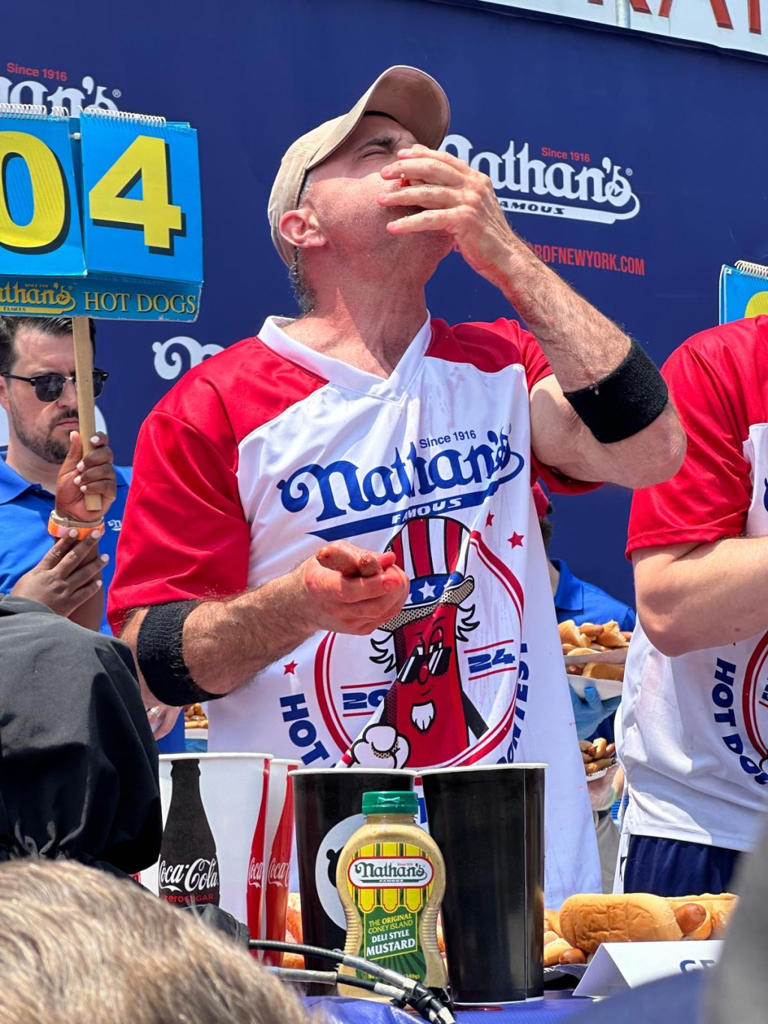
367 327
31 467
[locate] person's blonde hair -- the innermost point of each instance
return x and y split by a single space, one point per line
78 944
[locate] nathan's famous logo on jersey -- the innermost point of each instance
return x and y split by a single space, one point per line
743 718
557 183
477 469
54 88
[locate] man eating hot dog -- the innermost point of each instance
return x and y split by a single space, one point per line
332 525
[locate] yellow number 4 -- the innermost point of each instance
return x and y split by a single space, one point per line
145 160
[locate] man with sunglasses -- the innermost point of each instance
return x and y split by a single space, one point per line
44 477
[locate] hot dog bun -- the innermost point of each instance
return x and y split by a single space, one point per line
293 917
570 634
603 670
589 919
554 950
611 635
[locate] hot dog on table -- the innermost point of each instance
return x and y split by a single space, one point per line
589 919
586 920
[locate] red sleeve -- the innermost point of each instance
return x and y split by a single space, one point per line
709 497
184 534
492 346
480 344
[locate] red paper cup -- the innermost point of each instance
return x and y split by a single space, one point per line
277 854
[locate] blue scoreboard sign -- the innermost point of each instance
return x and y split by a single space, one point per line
99 216
743 291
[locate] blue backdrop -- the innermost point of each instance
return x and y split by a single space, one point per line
672 137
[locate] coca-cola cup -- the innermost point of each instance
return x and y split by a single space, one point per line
210 828
254 885
278 857
327 810
488 821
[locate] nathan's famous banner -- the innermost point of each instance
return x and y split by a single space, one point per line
733 24
634 168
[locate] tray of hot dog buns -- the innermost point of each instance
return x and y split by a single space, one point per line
594 653
598 755
584 921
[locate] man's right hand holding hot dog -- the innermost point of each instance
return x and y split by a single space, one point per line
342 588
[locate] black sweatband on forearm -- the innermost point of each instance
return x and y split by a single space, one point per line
160 655
625 402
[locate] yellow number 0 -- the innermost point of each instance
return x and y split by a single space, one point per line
50 218
145 160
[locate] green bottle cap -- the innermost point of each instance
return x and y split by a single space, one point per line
390 802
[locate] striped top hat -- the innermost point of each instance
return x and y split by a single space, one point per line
433 554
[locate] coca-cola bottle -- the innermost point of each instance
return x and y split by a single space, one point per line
254 892
188 871
278 875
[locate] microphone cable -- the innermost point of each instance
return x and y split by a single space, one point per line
403 991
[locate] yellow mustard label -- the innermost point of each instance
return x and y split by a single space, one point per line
390 884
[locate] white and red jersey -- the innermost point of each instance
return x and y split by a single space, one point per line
268 450
695 727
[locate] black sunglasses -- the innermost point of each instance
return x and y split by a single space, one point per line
49 386
436 661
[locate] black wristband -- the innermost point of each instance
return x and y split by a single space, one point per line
625 402
159 653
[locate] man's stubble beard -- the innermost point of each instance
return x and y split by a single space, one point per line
45 447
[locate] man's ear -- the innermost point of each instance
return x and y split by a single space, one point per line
301 229
3 393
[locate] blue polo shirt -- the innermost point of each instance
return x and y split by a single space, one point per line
584 602
24 539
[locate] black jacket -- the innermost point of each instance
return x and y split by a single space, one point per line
78 762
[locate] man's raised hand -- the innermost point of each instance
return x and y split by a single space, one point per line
454 199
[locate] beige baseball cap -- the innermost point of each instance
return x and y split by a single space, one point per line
411 97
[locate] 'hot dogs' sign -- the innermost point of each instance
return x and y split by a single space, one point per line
99 216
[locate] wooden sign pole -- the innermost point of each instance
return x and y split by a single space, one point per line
85 405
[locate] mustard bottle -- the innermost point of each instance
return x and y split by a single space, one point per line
391 878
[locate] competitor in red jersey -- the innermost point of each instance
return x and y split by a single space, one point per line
698 772
260 557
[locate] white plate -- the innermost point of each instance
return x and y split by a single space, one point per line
605 687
